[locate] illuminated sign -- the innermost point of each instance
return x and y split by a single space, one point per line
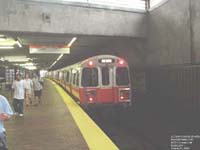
58 49
106 60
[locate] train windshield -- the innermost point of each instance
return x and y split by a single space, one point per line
89 77
122 77
105 76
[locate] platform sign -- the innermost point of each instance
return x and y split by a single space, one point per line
56 49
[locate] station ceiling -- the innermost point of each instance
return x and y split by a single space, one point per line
82 48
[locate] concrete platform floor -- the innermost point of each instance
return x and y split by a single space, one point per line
48 126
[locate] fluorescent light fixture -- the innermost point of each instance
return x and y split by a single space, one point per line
61 55
6 47
2 59
18 43
53 64
27 64
31 67
17 58
7 42
2 39
72 41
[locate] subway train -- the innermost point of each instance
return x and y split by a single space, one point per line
98 80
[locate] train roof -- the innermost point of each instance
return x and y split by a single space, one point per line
98 57
79 64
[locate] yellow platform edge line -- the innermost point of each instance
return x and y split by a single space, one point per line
93 135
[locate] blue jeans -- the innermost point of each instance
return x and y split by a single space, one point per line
3 145
18 105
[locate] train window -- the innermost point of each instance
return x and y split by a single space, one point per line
64 75
74 79
77 79
122 77
105 76
61 77
89 77
56 75
70 76
67 76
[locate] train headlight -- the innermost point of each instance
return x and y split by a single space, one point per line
90 96
90 63
124 94
121 97
121 62
90 99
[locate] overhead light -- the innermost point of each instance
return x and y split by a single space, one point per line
72 41
53 64
31 67
2 39
17 58
18 43
61 55
7 42
6 47
2 59
27 64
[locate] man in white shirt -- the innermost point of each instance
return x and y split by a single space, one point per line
19 93
29 88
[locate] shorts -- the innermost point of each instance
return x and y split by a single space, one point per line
38 93
29 91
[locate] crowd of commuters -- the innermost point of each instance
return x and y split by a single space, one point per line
25 91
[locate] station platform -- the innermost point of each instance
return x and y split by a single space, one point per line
58 123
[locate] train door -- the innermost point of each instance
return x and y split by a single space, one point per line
123 91
106 91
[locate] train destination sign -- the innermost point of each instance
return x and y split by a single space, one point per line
52 49
106 60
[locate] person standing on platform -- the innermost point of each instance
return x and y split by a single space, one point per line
19 93
5 114
41 80
37 90
29 89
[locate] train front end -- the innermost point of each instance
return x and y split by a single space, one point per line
105 80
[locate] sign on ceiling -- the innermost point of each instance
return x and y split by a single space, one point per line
57 49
